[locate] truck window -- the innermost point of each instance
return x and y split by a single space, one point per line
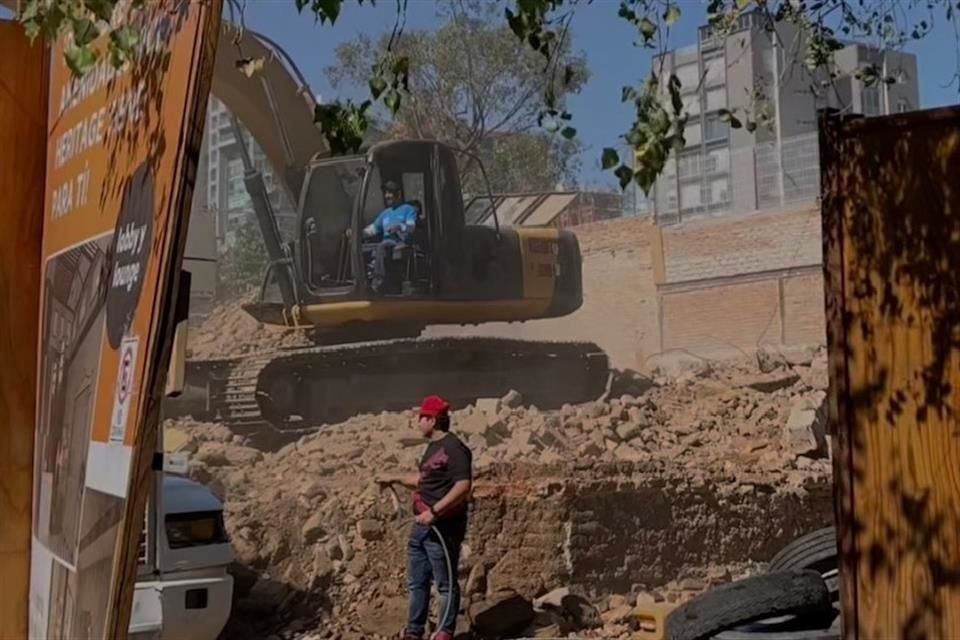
195 529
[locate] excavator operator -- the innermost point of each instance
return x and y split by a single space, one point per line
394 226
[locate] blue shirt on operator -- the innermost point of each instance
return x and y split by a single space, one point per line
396 223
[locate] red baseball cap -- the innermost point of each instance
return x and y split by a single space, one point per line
434 407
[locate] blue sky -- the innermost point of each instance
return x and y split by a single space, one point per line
603 37
598 32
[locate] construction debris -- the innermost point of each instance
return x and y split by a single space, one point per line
318 544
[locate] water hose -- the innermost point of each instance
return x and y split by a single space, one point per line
400 521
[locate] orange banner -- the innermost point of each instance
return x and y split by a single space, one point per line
122 146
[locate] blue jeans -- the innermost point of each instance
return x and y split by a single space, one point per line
425 560
381 263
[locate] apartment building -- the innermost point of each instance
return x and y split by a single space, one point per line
759 71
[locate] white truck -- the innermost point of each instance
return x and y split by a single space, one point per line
183 589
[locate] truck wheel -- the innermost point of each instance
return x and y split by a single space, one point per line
816 551
755 598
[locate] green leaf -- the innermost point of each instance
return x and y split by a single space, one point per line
301 5
609 159
569 133
401 66
84 32
327 10
32 30
81 60
393 102
568 75
727 116
126 38
29 11
377 86
624 174
676 100
102 9
647 29
671 15
743 4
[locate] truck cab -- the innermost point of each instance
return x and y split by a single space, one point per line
183 590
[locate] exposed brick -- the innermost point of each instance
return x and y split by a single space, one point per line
804 312
742 244
722 320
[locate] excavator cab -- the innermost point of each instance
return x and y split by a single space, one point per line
333 254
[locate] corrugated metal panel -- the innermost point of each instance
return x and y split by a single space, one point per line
547 211
510 210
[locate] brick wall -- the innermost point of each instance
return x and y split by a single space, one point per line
608 535
737 245
732 284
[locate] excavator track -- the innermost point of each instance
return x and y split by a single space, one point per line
298 391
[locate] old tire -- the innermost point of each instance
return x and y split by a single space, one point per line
822 634
755 598
816 551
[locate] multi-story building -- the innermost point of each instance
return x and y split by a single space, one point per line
221 204
759 72
225 192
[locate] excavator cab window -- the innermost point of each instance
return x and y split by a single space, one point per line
331 191
410 272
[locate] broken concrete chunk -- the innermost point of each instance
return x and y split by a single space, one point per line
552 600
502 615
312 529
805 431
513 399
488 406
771 382
369 529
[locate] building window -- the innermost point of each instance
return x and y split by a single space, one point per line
870 100
715 71
766 60
688 166
719 190
688 75
716 99
903 105
692 134
715 129
690 196
691 104
717 160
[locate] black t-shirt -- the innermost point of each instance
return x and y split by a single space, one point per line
445 462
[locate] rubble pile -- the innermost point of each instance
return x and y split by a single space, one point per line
229 331
322 552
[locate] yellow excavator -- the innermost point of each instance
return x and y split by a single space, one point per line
369 355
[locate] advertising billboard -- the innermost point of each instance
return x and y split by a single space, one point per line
121 156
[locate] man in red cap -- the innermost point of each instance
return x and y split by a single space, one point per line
441 494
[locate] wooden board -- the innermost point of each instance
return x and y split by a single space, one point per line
891 205
23 96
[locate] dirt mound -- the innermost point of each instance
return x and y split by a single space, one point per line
229 331
323 548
